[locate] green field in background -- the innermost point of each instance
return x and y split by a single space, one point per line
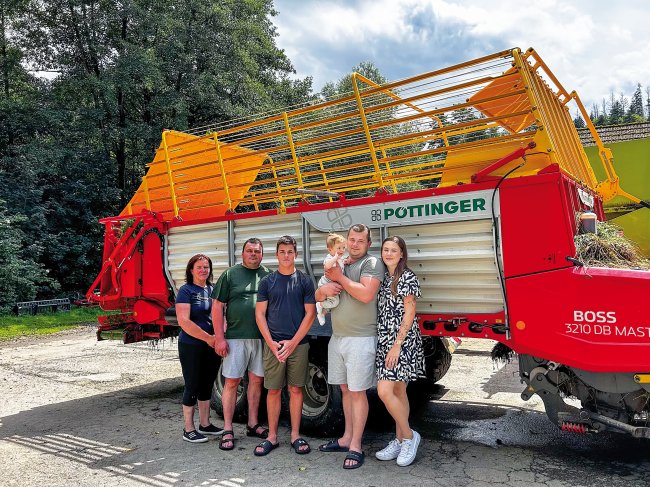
44 323
632 164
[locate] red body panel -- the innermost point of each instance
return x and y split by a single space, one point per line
544 290
594 319
538 223
154 285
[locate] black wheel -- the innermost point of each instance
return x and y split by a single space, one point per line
437 361
241 405
322 409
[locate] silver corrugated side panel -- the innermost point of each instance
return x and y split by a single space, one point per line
268 230
319 247
455 264
183 242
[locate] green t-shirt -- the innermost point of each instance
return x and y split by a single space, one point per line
237 289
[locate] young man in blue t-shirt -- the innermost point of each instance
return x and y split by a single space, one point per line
284 312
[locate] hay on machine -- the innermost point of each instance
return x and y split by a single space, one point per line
608 247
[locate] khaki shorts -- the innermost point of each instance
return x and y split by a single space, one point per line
292 372
351 361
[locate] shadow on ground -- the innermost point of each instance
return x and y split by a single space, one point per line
135 433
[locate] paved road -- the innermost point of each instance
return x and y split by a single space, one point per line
77 412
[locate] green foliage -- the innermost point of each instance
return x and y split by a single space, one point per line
73 149
622 110
45 323
343 87
20 275
579 122
635 112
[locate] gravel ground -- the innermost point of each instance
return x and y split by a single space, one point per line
74 411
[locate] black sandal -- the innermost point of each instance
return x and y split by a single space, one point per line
355 456
223 441
333 446
266 447
252 431
300 442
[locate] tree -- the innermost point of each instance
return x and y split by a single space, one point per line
131 69
73 149
616 111
635 111
342 87
579 122
20 275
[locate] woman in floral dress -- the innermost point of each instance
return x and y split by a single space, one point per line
400 357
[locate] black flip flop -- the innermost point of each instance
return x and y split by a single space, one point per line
252 431
356 456
333 446
298 443
266 447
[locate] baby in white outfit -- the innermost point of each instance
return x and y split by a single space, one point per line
335 256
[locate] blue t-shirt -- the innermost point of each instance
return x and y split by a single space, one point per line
286 296
200 310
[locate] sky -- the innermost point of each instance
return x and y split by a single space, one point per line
593 47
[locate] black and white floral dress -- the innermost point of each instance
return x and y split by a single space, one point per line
410 365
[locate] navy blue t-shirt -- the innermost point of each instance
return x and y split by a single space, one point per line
200 310
286 296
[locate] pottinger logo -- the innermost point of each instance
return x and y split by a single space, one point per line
430 209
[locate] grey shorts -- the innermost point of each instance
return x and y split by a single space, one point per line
243 354
351 361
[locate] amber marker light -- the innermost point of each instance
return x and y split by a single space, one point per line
521 325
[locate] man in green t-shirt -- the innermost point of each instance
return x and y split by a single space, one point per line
240 342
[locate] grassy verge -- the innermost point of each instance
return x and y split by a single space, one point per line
42 324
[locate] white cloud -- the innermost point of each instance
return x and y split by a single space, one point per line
593 47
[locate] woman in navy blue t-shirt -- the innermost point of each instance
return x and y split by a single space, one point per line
196 347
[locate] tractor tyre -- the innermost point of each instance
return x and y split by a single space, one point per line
322 409
241 404
437 361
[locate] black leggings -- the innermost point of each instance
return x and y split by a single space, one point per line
200 364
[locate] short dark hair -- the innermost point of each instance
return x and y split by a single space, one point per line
286 240
190 266
360 227
254 241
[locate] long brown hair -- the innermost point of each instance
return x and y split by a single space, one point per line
190 266
402 265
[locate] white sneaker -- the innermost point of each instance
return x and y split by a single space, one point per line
391 451
409 450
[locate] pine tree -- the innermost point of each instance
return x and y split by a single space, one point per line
617 111
579 122
635 112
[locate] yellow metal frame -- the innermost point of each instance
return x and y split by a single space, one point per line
223 172
170 174
434 129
